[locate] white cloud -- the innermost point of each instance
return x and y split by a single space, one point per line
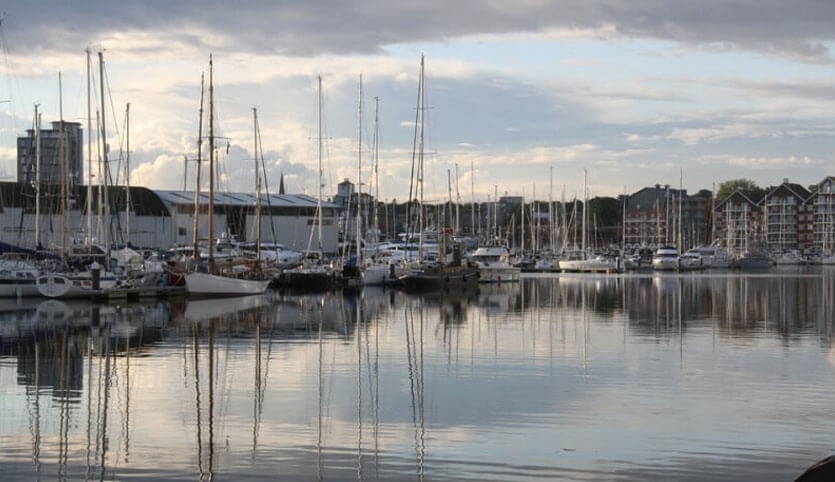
770 163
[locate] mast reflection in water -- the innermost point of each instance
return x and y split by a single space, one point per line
636 377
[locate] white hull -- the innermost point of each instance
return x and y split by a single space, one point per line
666 258
53 285
571 265
380 274
593 265
665 264
203 284
494 265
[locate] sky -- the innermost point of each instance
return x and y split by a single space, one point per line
526 98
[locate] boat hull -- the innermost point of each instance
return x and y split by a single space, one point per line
309 279
752 263
54 285
592 265
204 284
440 278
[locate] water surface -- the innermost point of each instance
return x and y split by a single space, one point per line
569 377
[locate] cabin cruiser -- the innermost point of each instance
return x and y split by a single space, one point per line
273 254
580 261
665 259
494 264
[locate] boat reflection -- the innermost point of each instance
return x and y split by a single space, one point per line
372 384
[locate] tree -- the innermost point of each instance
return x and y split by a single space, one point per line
728 187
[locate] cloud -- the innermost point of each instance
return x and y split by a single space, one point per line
770 163
518 88
799 30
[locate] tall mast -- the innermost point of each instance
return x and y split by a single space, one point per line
321 173
257 189
584 234
472 198
449 194
376 167
194 232
359 172
623 224
563 220
522 225
127 173
680 240
713 227
105 181
37 178
62 159
211 228
457 204
421 99
534 221
89 153
496 211
551 228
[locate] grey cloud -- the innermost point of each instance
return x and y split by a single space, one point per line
798 29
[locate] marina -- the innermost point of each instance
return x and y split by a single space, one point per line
468 241
724 375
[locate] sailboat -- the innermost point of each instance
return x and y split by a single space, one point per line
86 267
211 283
582 260
353 272
437 274
380 266
314 273
372 264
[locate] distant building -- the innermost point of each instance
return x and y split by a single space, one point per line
820 218
659 215
162 218
738 223
783 208
55 146
344 191
346 199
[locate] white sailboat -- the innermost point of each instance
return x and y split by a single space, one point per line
211 283
582 260
379 267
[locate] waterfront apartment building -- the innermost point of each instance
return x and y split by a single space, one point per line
788 217
64 142
784 222
659 215
738 223
820 219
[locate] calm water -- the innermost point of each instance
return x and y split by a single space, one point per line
571 377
